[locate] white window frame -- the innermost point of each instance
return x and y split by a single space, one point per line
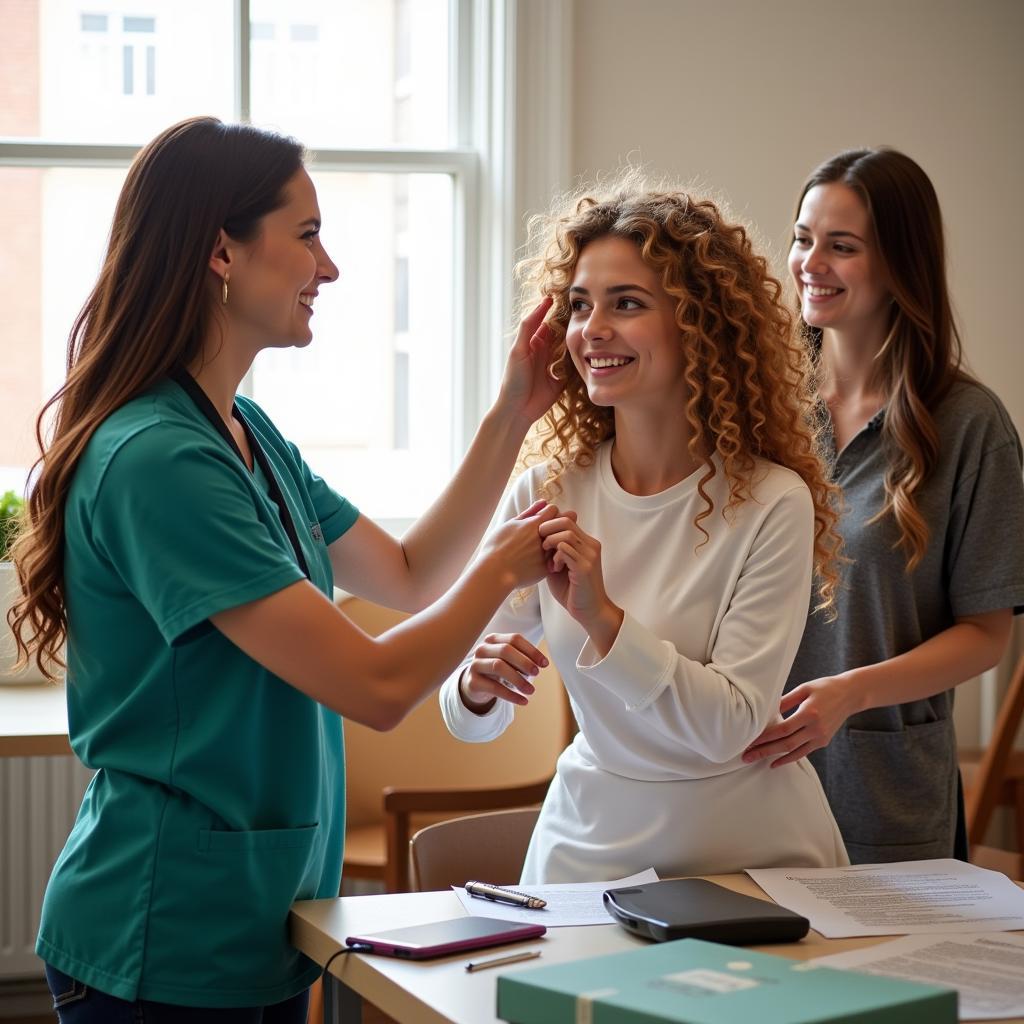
510 105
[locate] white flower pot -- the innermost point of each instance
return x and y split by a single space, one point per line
8 590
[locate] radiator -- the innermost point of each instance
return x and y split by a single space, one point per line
39 798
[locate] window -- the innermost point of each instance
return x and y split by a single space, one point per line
139 53
398 101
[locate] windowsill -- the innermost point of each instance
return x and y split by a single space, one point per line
35 720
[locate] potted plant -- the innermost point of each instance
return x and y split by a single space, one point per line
12 509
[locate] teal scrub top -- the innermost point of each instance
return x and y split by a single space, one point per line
218 797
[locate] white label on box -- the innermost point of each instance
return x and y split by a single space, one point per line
710 981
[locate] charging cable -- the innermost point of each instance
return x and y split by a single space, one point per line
359 947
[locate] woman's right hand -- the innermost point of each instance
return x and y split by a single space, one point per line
819 707
527 388
515 546
501 668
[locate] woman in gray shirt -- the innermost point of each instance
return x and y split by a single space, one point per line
933 514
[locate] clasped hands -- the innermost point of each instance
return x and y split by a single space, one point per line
504 663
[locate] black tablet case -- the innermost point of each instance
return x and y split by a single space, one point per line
692 908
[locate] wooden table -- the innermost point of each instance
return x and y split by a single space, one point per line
33 720
440 991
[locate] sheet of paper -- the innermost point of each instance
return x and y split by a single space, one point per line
987 970
906 898
572 904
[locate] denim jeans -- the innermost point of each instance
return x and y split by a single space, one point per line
76 1003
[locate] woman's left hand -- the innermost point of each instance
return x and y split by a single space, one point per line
576 580
527 388
822 705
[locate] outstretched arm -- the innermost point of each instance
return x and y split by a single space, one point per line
300 636
412 572
975 643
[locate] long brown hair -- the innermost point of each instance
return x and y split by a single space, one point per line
921 356
150 311
747 373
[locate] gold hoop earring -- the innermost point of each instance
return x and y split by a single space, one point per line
224 291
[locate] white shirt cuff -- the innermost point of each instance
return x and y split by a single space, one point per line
466 724
637 668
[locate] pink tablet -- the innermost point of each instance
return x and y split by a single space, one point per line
444 937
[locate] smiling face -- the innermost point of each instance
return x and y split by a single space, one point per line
835 263
275 278
622 335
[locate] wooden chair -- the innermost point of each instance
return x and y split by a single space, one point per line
419 773
999 780
488 847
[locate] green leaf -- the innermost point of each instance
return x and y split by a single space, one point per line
12 511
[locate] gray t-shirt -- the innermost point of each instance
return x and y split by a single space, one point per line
890 772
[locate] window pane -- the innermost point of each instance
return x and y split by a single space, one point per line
115 74
139 24
54 223
369 402
367 73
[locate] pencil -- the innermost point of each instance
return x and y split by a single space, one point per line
500 961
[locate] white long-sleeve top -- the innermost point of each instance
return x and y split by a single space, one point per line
694 675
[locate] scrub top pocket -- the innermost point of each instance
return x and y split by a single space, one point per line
240 884
901 783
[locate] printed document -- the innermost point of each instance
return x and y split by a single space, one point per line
576 903
987 970
905 898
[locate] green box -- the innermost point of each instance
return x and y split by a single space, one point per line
695 982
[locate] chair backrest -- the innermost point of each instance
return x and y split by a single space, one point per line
421 753
487 847
1000 766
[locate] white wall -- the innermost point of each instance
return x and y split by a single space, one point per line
750 95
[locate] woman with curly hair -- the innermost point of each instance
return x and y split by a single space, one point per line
676 590
930 468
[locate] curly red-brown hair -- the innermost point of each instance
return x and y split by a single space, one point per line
748 374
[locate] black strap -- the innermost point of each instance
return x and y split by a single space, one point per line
206 407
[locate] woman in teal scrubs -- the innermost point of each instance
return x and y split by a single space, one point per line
187 554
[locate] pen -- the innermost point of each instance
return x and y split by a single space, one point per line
495 892
500 961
